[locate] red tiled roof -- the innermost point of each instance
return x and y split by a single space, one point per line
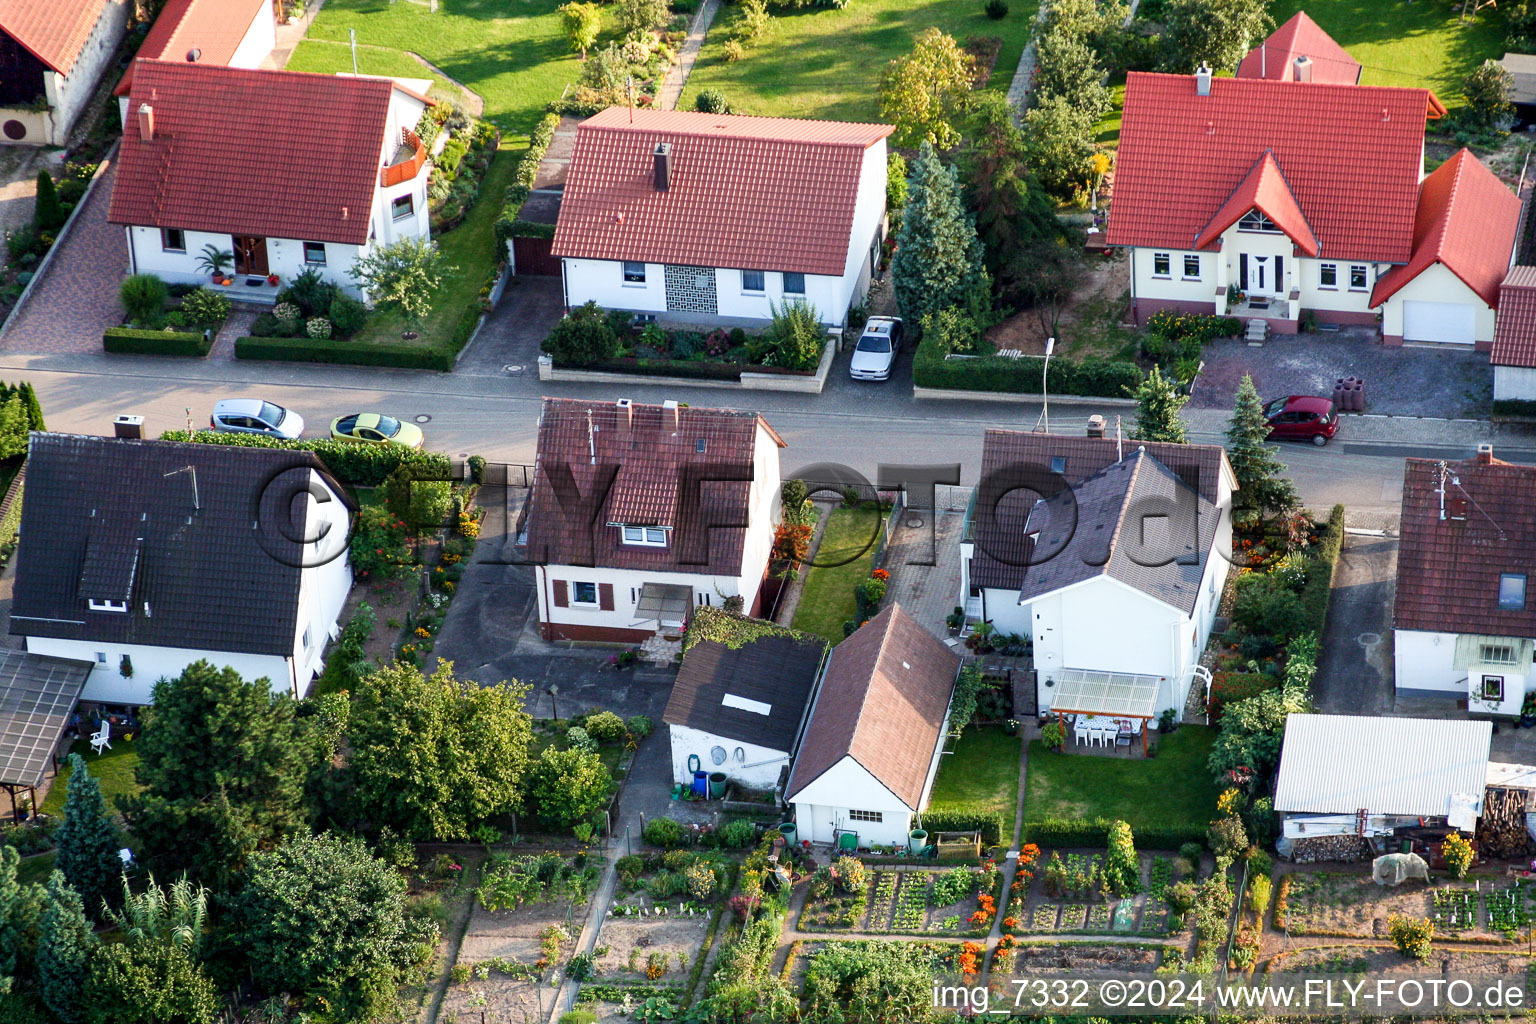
1275 57
214 27
642 457
1448 570
1467 220
272 153
882 702
1351 156
1514 331
1264 190
755 193
55 31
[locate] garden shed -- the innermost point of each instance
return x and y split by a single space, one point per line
1364 779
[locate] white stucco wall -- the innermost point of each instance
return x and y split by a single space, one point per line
323 585
258 40
1175 286
285 257
1514 383
1424 662
68 96
823 806
151 664
758 767
1435 284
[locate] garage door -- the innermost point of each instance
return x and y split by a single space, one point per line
1440 321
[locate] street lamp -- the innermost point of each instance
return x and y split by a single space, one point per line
1045 398
554 694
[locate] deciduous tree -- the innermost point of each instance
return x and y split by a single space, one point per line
433 756
641 15
1068 68
922 92
404 276
1218 32
938 261
1060 141
1487 91
1262 490
88 841
582 22
568 786
1012 211
582 337
149 982
1157 410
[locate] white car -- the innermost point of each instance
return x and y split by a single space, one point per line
253 416
875 353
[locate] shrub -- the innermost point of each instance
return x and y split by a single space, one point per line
734 51
312 350
1458 854
1258 895
701 881
347 315
639 726
48 214
310 292
711 101
1069 833
582 337
663 832
737 835
287 313
850 874
125 340
1412 935
202 306
959 818
578 738
1228 687
605 727
1228 837
952 329
143 297
1092 377
319 328
1191 852
996 10
1122 868
1200 326
1180 897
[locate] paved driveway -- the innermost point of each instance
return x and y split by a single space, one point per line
1355 675
528 310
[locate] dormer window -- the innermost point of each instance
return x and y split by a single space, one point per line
645 536
108 606
1253 220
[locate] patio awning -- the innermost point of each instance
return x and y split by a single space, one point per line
1511 652
37 696
1082 691
665 603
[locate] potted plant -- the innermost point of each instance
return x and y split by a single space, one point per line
215 261
272 280
1528 712
1011 726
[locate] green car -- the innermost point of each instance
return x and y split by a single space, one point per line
372 428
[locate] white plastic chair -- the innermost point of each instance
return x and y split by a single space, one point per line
100 740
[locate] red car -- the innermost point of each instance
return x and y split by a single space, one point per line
1302 418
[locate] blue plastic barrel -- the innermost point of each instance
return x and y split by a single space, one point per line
701 783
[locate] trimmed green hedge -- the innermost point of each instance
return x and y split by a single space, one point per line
522 184
965 819
1319 586
351 353
1093 377
361 465
1523 408
155 343
1061 833
12 520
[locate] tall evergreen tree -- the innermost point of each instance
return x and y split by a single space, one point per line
20 905
1157 410
64 949
88 841
34 407
1262 490
49 213
938 261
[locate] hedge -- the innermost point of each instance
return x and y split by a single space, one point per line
522 184
965 819
1521 408
1319 586
1061 833
361 465
1234 686
351 353
156 343
1093 377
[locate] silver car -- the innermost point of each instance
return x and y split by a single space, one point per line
875 353
253 416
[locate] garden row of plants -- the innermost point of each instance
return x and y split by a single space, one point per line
459 170
628 70
509 224
162 319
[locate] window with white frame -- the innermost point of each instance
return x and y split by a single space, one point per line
752 281
794 284
634 273
1512 591
402 206
649 536
1161 262
109 606
1496 654
1493 689
308 638
1357 277
874 817
314 253
1253 220
584 593
173 240
1327 275
1192 268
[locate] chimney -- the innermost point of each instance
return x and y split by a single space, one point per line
1301 69
1202 80
1096 425
130 427
1457 509
672 407
663 161
146 122
626 412
1485 455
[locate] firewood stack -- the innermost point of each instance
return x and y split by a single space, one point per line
1501 832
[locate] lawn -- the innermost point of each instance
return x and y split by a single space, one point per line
827 63
36 869
1170 790
983 772
827 600
113 769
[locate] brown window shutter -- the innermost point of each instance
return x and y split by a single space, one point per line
561 600
605 597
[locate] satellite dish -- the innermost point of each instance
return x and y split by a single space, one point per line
717 755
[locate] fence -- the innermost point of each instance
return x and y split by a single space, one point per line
889 527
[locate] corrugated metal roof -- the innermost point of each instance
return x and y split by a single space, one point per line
1341 764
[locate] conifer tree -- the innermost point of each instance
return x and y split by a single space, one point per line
64 949
939 259
1157 410
20 905
88 840
1262 490
49 214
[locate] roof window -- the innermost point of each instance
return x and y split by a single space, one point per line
1512 591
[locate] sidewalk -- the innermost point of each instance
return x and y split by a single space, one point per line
1210 425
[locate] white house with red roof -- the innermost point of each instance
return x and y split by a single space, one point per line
718 218
1318 205
228 33
188 175
52 53
1514 338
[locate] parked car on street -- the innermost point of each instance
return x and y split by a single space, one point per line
253 416
375 428
1302 418
875 353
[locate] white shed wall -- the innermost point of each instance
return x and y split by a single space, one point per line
757 768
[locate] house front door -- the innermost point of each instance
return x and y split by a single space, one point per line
1260 275
250 255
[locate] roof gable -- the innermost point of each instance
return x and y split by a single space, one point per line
1448 569
181 177
756 692
1514 330
1275 57
846 780
1264 190
54 31
1351 156
214 28
882 701
1466 221
754 193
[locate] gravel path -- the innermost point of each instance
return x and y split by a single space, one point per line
677 77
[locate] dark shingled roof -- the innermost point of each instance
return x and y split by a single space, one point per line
1019 468
103 521
882 702
649 459
1448 570
775 670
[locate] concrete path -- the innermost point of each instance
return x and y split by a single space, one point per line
672 85
1024 75
289 36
